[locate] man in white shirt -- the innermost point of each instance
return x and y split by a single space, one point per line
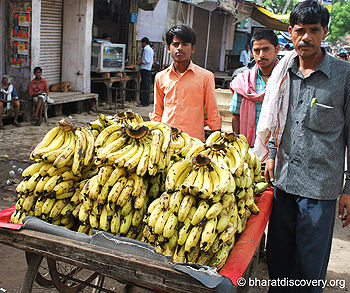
146 68
245 56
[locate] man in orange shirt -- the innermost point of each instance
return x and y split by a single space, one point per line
184 91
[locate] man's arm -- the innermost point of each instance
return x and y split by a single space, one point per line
344 200
157 113
235 123
214 120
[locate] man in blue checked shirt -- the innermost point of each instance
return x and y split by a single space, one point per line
249 87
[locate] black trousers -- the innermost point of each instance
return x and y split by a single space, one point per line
144 86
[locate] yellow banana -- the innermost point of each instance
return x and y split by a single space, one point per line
190 179
214 210
214 137
39 206
179 254
112 147
133 161
239 161
194 150
75 212
220 257
228 233
187 202
61 188
54 145
105 133
68 194
39 188
127 206
47 206
79 151
48 138
170 226
208 234
174 173
140 199
120 162
125 193
200 213
161 221
83 214
166 130
115 222
156 146
193 238
142 166
155 215
104 220
187 145
125 223
185 227
175 201
90 145
52 156
113 195
32 182
28 202
204 258
198 183
193 254
57 208
67 209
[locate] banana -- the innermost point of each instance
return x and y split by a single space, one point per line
194 150
187 144
155 215
125 193
175 201
161 221
214 137
207 187
214 210
153 191
112 147
90 145
54 145
67 209
174 173
249 197
79 152
177 143
84 228
198 183
221 256
142 166
32 182
127 207
138 216
28 202
22 187
125 223
57 208
187 202
208 234
200 213
50 184
116 190
239 161
108 186
156 146
170 226
182 177
39 188
52 155
193 238
204 258
184 227
105 133
47 206
61 188
254 209
133 161
228 233
164 200
179 254
48 138
68 194
225 179
104 220
173 240
153 205
166 130
57 171
75 212
83 214
115 222
38 206
120 162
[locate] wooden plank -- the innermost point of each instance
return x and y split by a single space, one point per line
111 263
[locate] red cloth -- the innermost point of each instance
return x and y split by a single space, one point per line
5 216
245 85
245 247
37 87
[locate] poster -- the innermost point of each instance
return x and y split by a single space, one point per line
20 33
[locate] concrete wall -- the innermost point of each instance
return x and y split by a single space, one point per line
2 37
76 45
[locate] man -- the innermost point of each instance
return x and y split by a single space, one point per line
38 91
244 58
249 87
306 121
184 91
146 68
8 96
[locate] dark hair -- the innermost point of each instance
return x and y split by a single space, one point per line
105 36
309 12
37 69
183 32
265 34
145 40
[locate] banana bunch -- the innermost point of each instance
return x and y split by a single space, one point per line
141 149
48 193
66 145
180 144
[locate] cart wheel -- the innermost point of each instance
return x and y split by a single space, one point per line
42 272
67 277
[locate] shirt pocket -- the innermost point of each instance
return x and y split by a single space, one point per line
321 118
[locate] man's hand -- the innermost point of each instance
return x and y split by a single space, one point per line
344 202
138 62
270 171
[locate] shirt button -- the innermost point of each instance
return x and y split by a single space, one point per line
300 102
297 122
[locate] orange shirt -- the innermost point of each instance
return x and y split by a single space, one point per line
38 86
180 101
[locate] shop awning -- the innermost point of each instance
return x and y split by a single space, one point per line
269 19
226 5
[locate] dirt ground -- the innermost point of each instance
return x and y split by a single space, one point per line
15 147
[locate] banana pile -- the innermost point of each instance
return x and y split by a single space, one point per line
208 199
147 181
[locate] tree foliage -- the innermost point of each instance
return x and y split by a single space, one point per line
340 24
277 6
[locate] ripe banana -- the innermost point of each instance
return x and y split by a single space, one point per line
193 238
79 152
170 226
105 133
187 202
200 213
48 138
116 190
61 188
156 146
214 210
142 166
208 234
57 208
174 172
125 223
175 201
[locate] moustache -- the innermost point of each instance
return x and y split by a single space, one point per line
305 44
263 59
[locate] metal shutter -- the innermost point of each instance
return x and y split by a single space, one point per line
51 39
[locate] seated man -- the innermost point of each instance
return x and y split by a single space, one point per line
38 91
8 97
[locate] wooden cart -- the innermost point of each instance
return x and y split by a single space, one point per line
141 271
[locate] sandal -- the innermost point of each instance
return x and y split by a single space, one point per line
38 123
16 124
2 127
